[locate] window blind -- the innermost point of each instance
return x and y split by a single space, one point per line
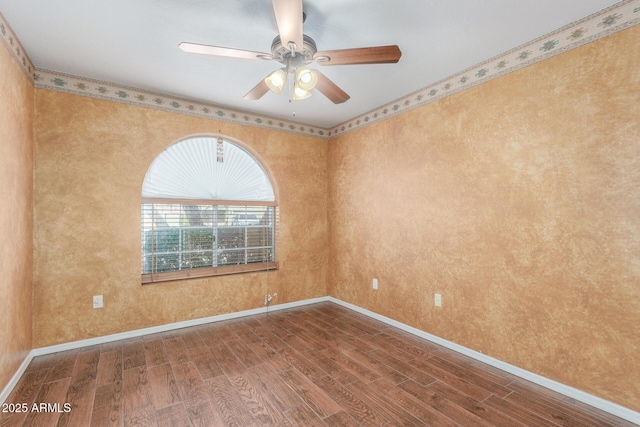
196 239
207 168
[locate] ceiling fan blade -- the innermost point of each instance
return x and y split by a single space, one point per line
330 89
204 49
257 92
363 55
289 19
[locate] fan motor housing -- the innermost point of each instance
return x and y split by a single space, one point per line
282 53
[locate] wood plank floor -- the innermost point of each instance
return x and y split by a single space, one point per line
318 365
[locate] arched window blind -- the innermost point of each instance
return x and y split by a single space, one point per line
207 168
208 208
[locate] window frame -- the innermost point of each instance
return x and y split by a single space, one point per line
204 272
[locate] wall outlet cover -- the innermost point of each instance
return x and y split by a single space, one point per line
98 301
437 300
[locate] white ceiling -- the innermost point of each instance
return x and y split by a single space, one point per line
134 43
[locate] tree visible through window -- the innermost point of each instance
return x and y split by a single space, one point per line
208 208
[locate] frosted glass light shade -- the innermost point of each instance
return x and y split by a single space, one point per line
306 79
299 93
276 80
189 169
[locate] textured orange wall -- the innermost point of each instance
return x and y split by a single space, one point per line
16 214
91 159
519 201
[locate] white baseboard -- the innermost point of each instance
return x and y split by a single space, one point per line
16 377
170 326
597 402
589 399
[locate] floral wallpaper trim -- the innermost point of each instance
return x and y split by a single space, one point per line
11 41
615 18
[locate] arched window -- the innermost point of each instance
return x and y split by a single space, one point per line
208 208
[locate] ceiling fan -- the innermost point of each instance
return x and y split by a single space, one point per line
295 50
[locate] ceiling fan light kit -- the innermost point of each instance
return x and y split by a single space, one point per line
304 79
298 51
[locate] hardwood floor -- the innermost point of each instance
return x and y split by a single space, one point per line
318 365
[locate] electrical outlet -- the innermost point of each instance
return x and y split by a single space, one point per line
98 301
375 283
437 300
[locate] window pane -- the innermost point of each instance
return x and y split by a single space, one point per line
196 239
166 262
231 257
146 264
166 239
259 236
259 255
231 237
199 259
197 215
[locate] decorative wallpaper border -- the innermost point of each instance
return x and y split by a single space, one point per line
60 82
615 18
11 41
